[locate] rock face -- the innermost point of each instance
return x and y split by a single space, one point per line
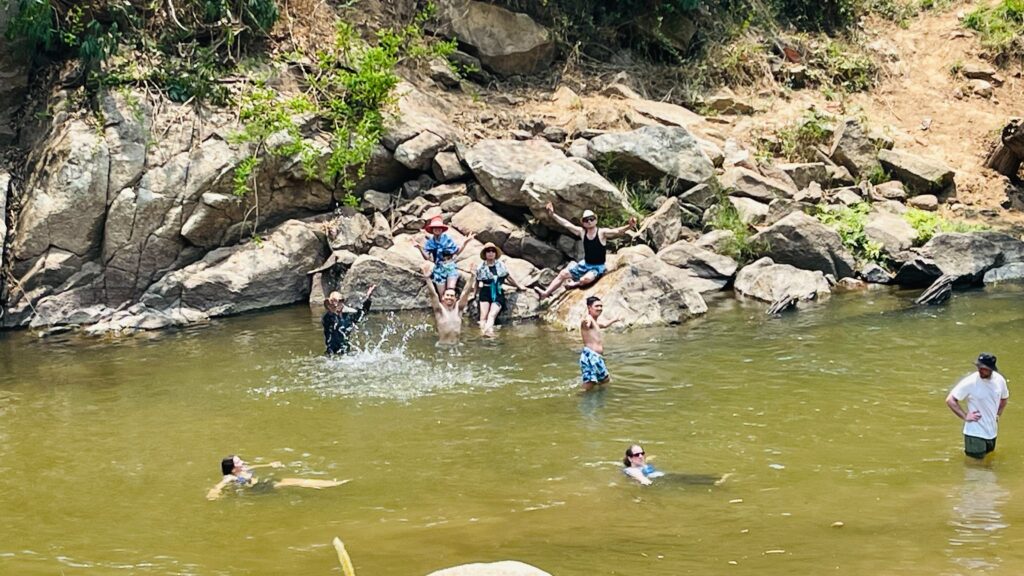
702 262
572 189
857 150
506 43
648 293
768 281
664 226
478 219
804 242
501 166
399 280
504 568
749 184
654 152
965 257
920 175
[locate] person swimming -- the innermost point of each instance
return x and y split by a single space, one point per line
637 468
236 472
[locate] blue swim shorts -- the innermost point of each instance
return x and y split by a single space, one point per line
592 366
443 271
581 268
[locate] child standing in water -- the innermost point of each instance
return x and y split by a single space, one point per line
441 250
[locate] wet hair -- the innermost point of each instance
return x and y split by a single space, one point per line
227 465
629 452
591 300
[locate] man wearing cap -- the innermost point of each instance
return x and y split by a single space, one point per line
586 271
339 321
442 250
490 275
986 393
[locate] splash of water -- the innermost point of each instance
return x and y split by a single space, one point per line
383 367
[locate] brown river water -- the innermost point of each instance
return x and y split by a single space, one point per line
834 414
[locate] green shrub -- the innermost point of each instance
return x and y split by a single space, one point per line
1001 28
849 222
839 64
726 217
798 141
928 224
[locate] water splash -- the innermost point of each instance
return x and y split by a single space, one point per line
382 367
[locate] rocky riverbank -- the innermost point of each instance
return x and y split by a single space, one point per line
127 220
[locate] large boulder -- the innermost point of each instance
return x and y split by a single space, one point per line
1013 272
250 276
571 188
751 212
749 184
891 230
648 293
804 242
965 257
418 152
1012 248
804 174
856 149
702 262
664 226
653 153
501 166
399 279
506 42
475 218
920 175
768 281
503 568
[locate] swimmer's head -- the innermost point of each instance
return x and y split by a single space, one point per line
448 297
634 454
334 301
594 306
228 465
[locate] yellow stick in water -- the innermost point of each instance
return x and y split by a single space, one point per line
346 562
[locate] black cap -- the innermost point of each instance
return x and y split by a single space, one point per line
986 360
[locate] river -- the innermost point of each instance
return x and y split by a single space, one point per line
830 415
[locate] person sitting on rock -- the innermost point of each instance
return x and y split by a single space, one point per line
339 321
448 312
592 266
490 276
237 473
441 250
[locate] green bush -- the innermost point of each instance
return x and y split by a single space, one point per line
849 222
928 224
726 217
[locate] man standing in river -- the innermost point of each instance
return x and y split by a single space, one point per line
592 356
448 311
986 394
586 271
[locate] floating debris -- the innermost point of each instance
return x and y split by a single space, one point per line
838 524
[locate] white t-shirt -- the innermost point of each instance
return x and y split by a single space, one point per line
983 395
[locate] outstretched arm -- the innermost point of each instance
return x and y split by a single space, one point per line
563 222
214 492
419 244
610 233
464 243
366 304
467 291
609 323
274 464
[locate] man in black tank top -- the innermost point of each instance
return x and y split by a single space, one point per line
586 271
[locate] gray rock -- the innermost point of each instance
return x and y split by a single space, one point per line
554 134
812 194
488 226
920 175
804 174
701 196
572 189
455 204
751 211
440 194
846 196
875 274
749 184
350 231
654 152
927 202
664 226
399 279
964 257
507 43
447 167
503 568
890 230
1011 247
702 262
580 148
892 190
502 166
718 241
647 293
382 172
376 201
1013 272
537 252
857 150
418 152
768 281
804 242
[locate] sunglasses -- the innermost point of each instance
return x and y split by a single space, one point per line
590 219
637 454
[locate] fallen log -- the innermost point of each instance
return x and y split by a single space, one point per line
1008 155
938 293
782 304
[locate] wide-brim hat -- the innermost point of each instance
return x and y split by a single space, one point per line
588 214
986 361
435 222
490 246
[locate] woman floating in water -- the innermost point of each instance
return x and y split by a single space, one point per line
637 468
237 472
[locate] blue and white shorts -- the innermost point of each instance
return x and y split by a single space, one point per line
443 271
592 366
580 269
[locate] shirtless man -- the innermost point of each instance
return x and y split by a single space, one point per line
448 311
591 358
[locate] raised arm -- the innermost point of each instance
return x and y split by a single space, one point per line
610 233
366 304
467 291
563 222
419 244
435 302
464 243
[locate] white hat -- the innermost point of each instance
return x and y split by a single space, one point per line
588 214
